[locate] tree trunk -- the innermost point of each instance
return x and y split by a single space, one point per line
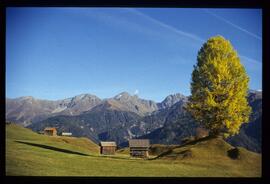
215 133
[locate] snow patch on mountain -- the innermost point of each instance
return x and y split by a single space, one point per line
118 97
59 109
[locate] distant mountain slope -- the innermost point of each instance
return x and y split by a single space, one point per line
25 110
79 104
179 124
171 100
118 119
135 104
98 124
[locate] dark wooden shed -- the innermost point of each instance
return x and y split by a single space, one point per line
107 148
139 147
50 131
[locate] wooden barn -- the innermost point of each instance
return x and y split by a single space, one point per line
139 147
50 131
107 148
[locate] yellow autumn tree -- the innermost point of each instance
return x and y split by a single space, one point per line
219 88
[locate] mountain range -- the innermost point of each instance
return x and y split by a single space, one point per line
125 116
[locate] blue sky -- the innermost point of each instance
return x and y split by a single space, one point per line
56 53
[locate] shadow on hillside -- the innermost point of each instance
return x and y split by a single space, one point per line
68 151
193 142
52 148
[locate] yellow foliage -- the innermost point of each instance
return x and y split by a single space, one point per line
219 88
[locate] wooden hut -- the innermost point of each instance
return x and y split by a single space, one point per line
50 131
107 148
139 147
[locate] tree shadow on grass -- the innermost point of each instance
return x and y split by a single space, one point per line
185 152
52 148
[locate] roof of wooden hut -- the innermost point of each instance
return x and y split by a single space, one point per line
139 143
49 128
111 143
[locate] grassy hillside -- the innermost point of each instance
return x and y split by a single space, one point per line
217 153
29 153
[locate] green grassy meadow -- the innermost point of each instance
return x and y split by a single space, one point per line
32 154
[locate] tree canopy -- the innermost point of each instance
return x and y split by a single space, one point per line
219 88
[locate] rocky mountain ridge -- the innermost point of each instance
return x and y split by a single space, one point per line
27 110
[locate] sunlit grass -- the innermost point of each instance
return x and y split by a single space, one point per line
27 159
